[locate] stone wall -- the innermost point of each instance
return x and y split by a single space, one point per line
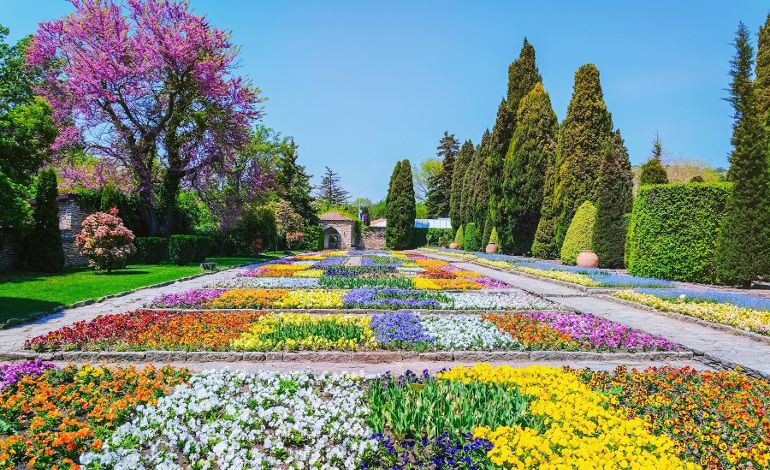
9 252
346 230
373 238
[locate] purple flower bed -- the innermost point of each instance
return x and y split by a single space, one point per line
601 333
392 298
695 295
11 373
253 272
355 271
400 330
329 261
489 283
191 299
436 452
367 261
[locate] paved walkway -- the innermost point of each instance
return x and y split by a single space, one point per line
727 349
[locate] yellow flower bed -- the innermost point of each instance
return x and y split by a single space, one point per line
302 331
335 252
560 276
430 263
309 257
312 298
493 264
466 273
757 321
444 284
584 429
309 273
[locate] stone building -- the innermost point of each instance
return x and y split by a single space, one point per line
339 231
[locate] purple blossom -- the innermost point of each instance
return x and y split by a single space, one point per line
392 298
355 271
329 261
195 298
489 283
601 333
11 373
400 329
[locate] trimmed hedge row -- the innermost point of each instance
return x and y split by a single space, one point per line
674 229
186 249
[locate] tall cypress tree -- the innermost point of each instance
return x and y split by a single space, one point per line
613 201
475 195
581 137
440 185
45 248
458 172
401 212
532 149
544 245
522 77
743 250
762 80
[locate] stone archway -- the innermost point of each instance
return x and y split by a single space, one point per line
332 239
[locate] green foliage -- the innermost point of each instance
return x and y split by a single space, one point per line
401 208
151 250
580 234
330 190
493 237
653 172
460 237
581 137
673 231
472 237
613 201
182 248
92 200
544 244
45 252
421 211
532 151
475 196
292 181
439 237
762 80
440 185
743 250
314 238
202 248
419 237
462 161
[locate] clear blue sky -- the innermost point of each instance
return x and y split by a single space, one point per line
363 84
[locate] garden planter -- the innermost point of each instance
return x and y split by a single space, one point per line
454 245
491 248
587 259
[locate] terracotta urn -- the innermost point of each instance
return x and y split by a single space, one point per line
454 245
491 248
587 259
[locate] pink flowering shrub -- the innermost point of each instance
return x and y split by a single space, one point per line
105 241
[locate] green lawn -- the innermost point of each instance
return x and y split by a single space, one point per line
25 293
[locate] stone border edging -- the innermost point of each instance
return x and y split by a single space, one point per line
370 357
696 320
11 322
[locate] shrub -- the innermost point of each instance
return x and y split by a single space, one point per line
257 223
580 234
202 247
438 236
673 231
294 239
472 237
493 238
653 172
314 238
105 241
45 248
460 237
151 249
182 248
419 237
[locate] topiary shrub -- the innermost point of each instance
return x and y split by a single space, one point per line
472 237
674 229
182 248
151 249
580 234
460 237
105 241
493 238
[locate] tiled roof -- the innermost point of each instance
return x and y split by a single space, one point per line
334 215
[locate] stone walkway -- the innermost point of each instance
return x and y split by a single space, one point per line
716 347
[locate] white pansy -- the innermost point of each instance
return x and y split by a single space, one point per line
268 283
466 333
510 299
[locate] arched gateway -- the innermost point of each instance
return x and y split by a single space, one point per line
339 231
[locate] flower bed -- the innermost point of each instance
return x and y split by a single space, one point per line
757 321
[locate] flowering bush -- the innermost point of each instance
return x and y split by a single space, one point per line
105 241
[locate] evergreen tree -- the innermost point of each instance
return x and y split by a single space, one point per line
330 192
762 80
544 245
45 249
743 250
440 185
532 149
401 211
475 195
581 137
293 183
522 77
653 171
613 201
458 172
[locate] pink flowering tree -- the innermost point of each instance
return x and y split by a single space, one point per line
94 174
148 83
105 241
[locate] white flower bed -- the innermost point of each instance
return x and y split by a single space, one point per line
466 333
233 420
268 283
511 299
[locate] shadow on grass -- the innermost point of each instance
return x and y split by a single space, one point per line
16 310
27 276
121 272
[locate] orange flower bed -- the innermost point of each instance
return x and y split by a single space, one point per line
533 334
430 263
54 417
249 298
197 331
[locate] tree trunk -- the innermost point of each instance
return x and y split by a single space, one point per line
149 214
171 183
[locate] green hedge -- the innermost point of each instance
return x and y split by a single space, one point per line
580 234
182 249
439 237
314 238
202 247
673 231
151 250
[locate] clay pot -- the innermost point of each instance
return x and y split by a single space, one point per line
454 245
491 248
587 259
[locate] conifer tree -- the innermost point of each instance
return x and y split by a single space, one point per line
653 171
330 191
458 173
544 245
475 195
581 137
613 201
762 80
440 185
401 211
522 76
45 248
743 249
532 149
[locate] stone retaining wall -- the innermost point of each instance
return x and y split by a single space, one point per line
373 238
